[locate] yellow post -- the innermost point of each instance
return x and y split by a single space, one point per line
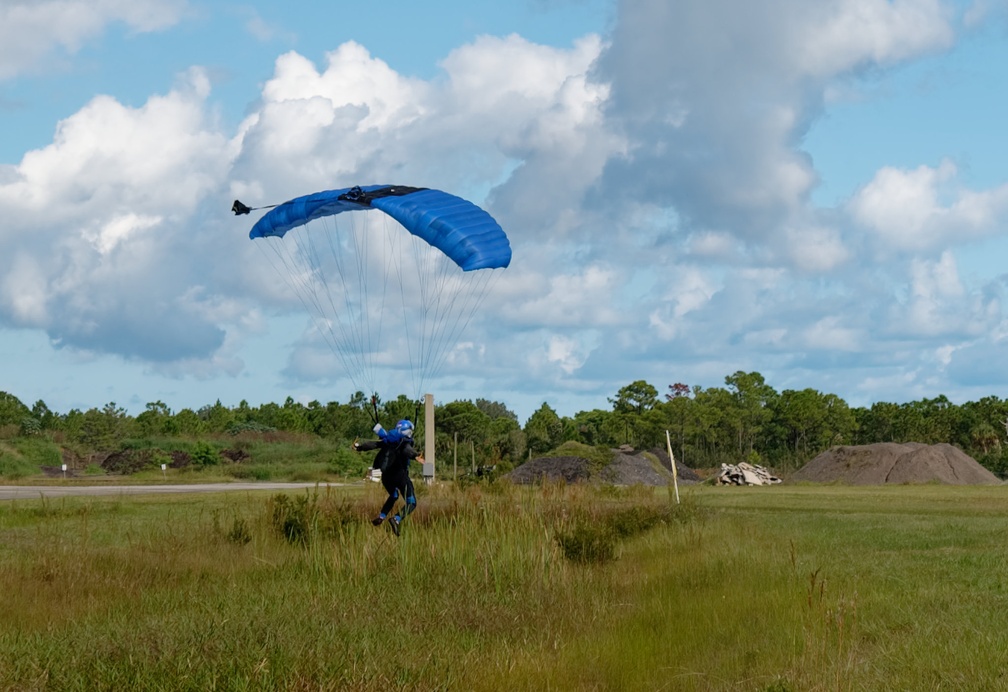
675 474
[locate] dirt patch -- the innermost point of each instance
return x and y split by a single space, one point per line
128 461
58 472
179 459
235 456
890 462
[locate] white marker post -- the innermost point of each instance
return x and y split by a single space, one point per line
675 474
163 473
64 471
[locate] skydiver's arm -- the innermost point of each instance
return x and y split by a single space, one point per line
366 445
410 452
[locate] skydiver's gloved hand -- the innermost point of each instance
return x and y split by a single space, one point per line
356 446
380 431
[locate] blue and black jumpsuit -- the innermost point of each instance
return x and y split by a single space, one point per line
393 460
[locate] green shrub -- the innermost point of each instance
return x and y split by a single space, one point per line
204 454
588 543
15 466
30 426
240 534
296 519
628 522
39 450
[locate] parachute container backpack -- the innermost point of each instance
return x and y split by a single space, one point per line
391 275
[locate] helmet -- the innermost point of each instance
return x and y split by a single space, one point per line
405 429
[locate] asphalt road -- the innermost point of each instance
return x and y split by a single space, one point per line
27 492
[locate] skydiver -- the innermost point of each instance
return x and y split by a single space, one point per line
395 451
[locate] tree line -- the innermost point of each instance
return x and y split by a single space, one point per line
745 420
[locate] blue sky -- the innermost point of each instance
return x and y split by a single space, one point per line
815 191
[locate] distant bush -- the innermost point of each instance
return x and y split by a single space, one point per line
30 426
249 426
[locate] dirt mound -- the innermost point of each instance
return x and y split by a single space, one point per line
128 461
634 469
889 462
628 467
569 469
683 472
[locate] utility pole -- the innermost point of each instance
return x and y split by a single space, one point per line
428 471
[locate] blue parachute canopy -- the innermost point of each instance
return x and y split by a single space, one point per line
464 232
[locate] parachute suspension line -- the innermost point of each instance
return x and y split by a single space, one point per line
360 338
428 313
298 277
448 305
338 332
369 339
355 246
383 233
464 305
389 234
348 336
356 249
316 286
400 263
438 293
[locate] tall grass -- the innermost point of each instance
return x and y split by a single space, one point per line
764 589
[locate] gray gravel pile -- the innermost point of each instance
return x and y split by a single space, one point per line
628 467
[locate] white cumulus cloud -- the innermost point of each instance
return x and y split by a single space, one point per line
32 31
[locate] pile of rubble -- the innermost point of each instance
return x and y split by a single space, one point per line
745 474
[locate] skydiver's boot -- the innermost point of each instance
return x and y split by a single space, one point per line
395 524
377 521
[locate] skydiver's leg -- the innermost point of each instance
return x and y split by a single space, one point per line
389 503
410 498
393 494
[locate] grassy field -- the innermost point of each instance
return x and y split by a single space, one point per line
497 587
